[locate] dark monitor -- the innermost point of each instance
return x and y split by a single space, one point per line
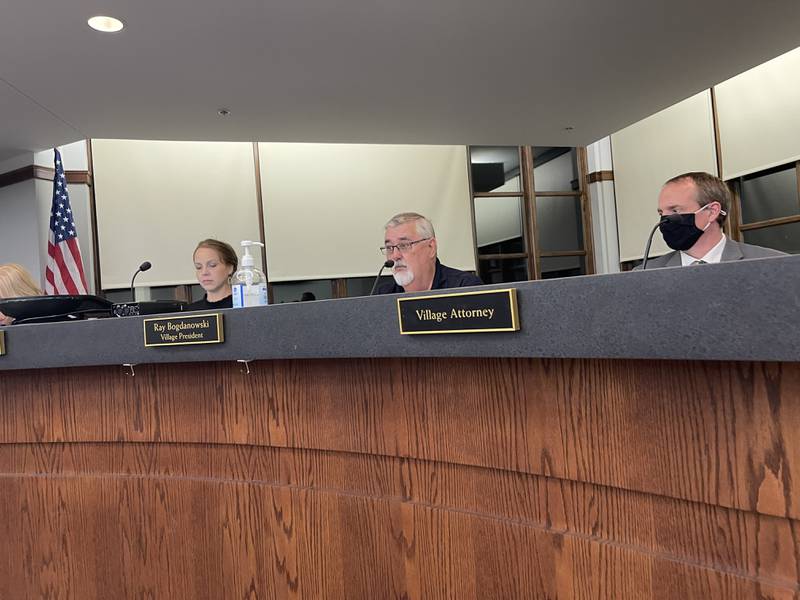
47 309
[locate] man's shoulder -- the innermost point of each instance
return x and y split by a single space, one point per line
733 251
659 261
452 277
751 251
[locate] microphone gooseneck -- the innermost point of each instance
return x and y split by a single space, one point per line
386 265
145 266
663 219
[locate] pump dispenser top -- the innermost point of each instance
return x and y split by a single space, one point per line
247 258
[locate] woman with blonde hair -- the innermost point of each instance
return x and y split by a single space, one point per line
15 282
214 263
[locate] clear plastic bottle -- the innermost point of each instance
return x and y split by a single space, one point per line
249 285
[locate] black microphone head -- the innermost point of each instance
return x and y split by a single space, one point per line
145 266
388 264
674 218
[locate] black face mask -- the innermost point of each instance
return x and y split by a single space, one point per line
680 232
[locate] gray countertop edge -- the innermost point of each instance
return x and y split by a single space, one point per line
741 311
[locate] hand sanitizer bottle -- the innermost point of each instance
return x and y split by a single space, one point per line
248 283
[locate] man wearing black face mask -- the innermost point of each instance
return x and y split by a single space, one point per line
699 204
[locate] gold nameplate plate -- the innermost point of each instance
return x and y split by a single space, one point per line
459 312
183 331
2 343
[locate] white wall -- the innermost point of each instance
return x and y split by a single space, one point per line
157 199
25 212
19 227
604 209
73 156
648 153
759 116
16 162
325 205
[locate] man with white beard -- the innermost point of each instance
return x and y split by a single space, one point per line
411 243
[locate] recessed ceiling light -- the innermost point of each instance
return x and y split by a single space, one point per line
105 24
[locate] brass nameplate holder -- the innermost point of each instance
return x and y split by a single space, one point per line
184 330
2 343
459 312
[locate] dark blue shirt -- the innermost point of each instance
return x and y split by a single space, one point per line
444 277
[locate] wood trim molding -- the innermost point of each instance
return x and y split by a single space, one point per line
586 212
574 194
339 288
183 293
44 173
555 253
599 176
261 226
717 139
16 176
47 174
733 223
769 223
93 215
797 176
531 229
498 194
506 256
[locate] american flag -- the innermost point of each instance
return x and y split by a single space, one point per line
64 274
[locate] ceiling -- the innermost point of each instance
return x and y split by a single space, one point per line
505 72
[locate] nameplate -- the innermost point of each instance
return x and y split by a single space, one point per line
183 331
2 343
459 312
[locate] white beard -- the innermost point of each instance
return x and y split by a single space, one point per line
404 277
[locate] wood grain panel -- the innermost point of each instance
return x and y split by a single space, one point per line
753 547
721 433
410 478
183 538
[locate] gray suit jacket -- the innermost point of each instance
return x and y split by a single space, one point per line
732 251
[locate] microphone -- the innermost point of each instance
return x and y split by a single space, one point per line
387 265
142 267
663 219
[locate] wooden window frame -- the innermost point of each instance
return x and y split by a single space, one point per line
734 226
525 214
582 193
533 254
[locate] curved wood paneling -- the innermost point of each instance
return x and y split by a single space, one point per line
413 478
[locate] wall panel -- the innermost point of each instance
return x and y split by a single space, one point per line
416 478
646 154
325 205
759 119
156 200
